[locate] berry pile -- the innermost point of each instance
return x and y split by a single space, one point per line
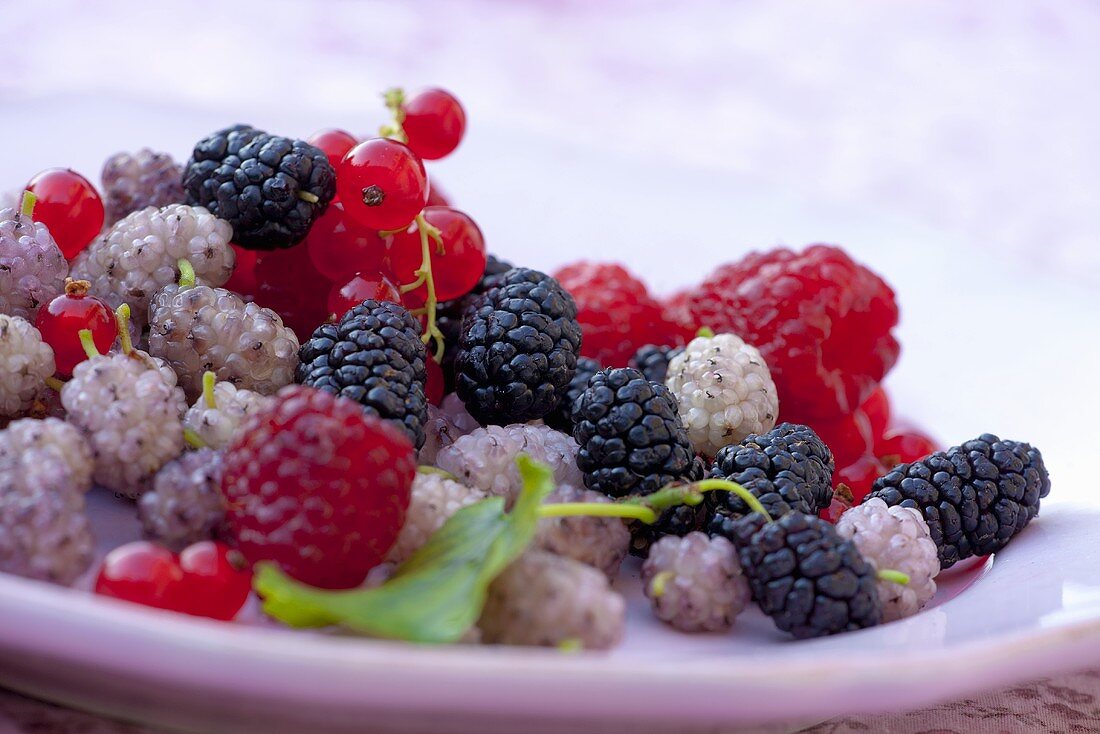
299 364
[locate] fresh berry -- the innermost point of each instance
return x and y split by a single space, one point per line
724 391
361 287
447 422
600 542
694 583
895 539
334 143
140 254
457 264
184 504
805 576
877 410
616 312
243 282
821 320
849 437
319 486
434 389
434 123
975 497
62 319
546 599
220 411
218 579
652 361
32 268
677 521
199 329
269 188
905 447
47 455
630 436
135 181
143 573
130 414
434 499
436 195
375 357
561 417
448 315
289 285
859 475
486 458
382 184
25 363
518 350
69 206
340 248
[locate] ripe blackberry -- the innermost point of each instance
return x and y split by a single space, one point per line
898 539
546 599
630 436
44 532
448 315
184 504
724 391
788 464
780 495
270 188
975 497
130 414
47 454
200 329
375 357
32 268
317 485
652 361
140 254
561 417
600 542
486 458
616 312
133 181
805 576
433 500
518 349
216 417
25 363
694 583
821 320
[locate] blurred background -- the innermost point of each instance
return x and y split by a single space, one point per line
951 146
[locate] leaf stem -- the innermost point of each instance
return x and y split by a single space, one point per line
897 577
599 509
88 343
209 380
122 318
187 272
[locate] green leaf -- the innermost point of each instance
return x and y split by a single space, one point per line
438 593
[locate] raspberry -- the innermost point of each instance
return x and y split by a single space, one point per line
434 499
25 363
220 411
616 312
132 182
903 447
859 475
694 583
821 320
318 486
185 503
849 437
601 542
32 268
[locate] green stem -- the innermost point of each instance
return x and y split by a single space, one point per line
193 439
427 279
308 197
88 343
599 509
705 332
187 273
27 208
122 318
692 494
897 577
209 379
54 384
425 469
395 103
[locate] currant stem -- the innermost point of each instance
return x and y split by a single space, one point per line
659 582
54 384
122 318
193 439
426 279
88 343
77 288
897 577
27 207
187 273
209 379
395 103
598 509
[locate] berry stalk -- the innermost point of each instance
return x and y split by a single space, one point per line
889 574
208 381
122 318
88 343
395 103
648 508
187 273
27 207
424 277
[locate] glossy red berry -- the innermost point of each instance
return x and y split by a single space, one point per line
218 579
62 319
859 476
435 387
382 184
335 143
363 286
903 447
339 248
436 195
289 285
457 269
849 437
143 573
69 206
243 281
434 123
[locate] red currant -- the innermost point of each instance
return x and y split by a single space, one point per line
69 206
457 269
243 281
848 437
877 410
334 143
340 248
903 447
859 476
63 318
218 578
434 123
382 184
143 573
289 285
435 387
362 286
436 195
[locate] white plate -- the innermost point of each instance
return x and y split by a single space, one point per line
987 346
